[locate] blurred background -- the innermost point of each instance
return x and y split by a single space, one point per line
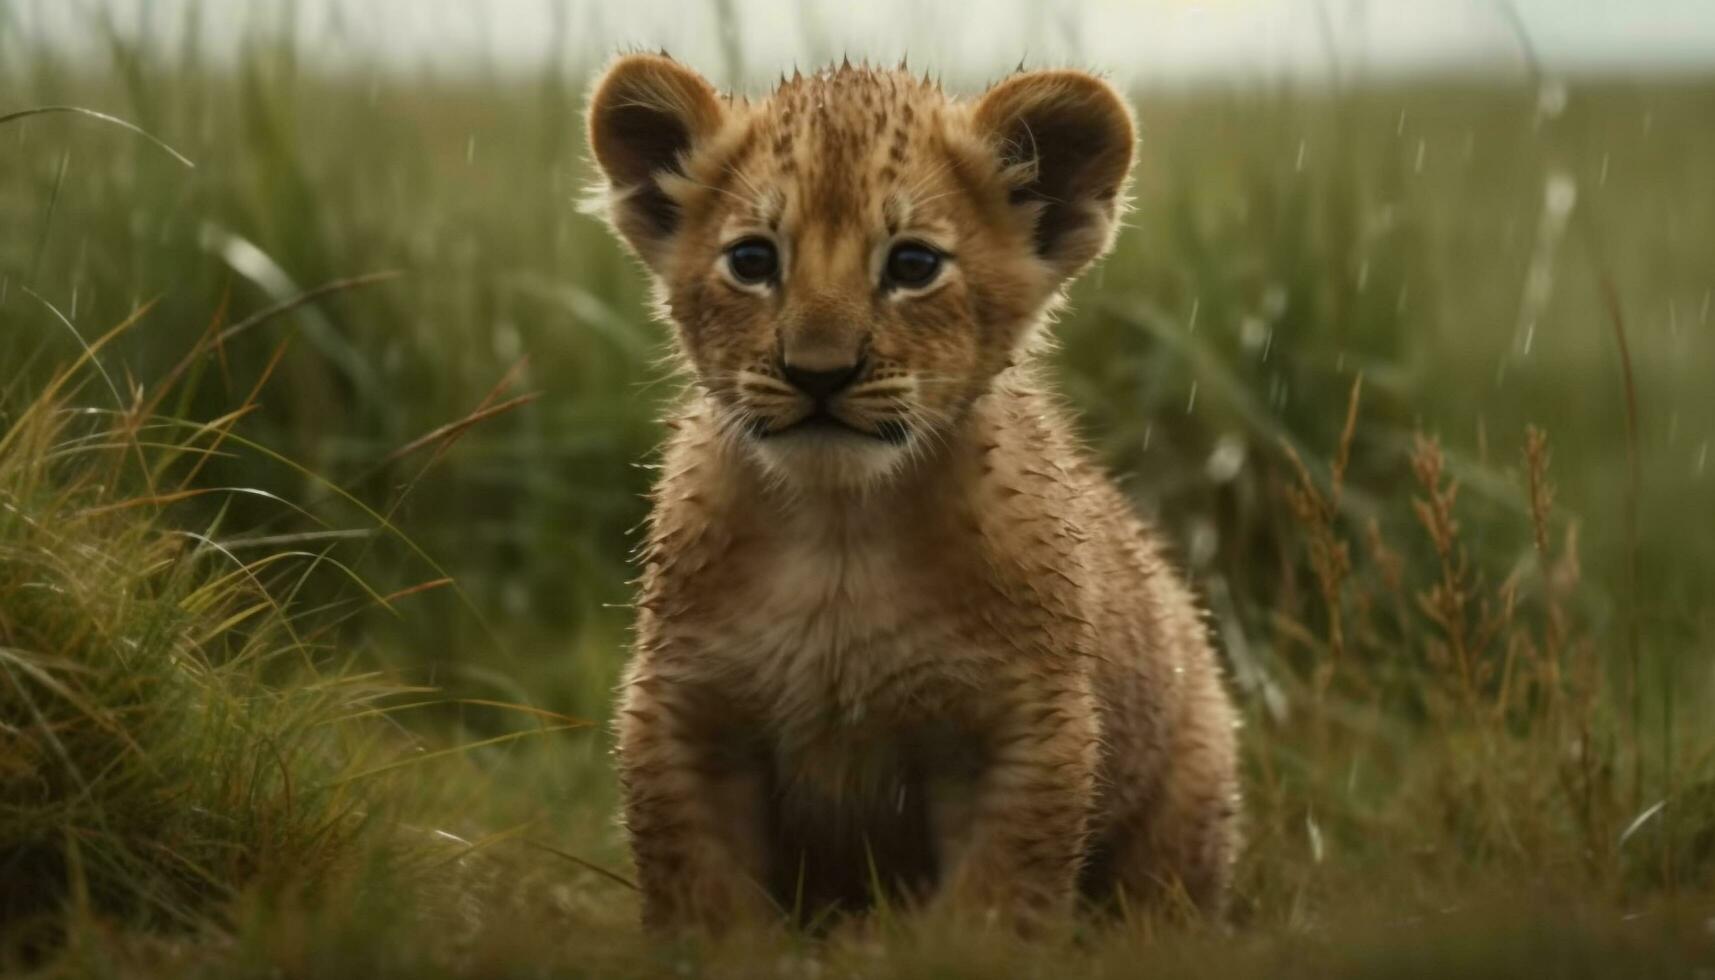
1372 243
748 41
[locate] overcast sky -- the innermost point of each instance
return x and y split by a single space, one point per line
1137 41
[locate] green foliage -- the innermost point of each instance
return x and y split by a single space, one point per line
1457 752
171 732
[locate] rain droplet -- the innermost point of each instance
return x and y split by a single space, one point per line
1191 403
1227 460
1602 178
1253 333
1422 147
1560 194
1196 302
1559 197
1550 99
1298 165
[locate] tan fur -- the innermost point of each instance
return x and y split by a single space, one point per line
953 665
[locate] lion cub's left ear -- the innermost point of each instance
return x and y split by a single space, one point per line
1065 144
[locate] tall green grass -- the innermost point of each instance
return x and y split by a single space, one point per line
174 729
192 736
1355 353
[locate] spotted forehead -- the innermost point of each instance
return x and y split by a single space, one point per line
842 149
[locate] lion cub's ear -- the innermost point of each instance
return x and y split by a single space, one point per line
1065 144
646 116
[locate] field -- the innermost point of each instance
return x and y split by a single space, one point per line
320 462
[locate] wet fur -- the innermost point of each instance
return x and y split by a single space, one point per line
955 666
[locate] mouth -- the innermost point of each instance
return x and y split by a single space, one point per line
823 423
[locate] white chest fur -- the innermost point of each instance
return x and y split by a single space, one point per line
822 626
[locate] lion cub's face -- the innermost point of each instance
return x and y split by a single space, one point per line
851 260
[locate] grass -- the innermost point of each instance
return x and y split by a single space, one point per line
309 569
170 736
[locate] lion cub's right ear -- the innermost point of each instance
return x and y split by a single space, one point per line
647 114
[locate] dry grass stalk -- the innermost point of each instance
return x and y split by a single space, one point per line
1330 553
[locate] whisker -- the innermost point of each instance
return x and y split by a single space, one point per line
753 205
920 202
760 199
916 186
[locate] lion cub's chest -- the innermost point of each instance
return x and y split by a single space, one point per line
835 633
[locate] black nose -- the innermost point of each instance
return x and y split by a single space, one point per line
821 385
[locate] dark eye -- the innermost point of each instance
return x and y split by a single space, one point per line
912 265
753 260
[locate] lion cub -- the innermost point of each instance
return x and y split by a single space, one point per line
895 629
